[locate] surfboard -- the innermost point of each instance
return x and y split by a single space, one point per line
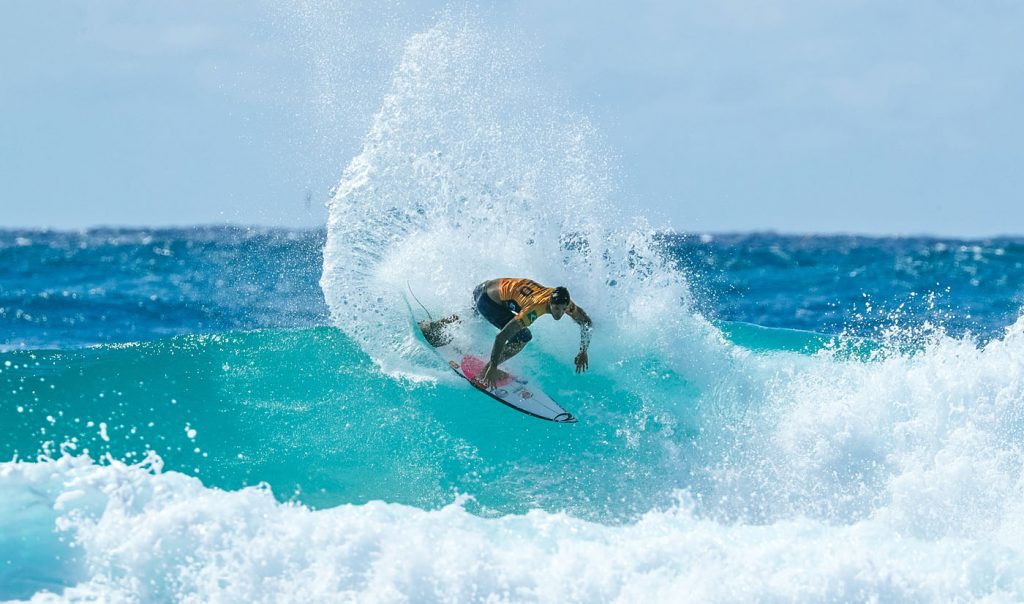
514 389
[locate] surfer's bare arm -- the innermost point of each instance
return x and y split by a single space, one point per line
491 373
586 326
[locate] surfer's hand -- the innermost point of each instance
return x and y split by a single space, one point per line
582 362
491 375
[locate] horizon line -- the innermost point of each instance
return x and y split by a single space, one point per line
672 231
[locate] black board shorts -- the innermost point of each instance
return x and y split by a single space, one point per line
499 314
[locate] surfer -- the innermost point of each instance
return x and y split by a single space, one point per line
512 305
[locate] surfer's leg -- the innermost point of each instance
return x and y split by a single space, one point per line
511 350
516 344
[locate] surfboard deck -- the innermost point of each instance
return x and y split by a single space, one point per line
513 390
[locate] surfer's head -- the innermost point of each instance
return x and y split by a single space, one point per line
559 302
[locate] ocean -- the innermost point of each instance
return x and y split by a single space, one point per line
231 414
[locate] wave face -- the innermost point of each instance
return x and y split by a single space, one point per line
718 457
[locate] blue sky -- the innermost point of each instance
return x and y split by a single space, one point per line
845 116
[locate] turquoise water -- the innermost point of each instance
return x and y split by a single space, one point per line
307 412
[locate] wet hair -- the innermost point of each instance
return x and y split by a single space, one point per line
560 295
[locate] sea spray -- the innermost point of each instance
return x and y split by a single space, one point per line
470 172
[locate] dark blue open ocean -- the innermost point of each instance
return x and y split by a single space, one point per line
103 286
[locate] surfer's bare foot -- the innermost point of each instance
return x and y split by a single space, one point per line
491 377
497 370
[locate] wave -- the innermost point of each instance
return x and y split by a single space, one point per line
895 477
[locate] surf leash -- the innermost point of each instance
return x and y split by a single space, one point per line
418 301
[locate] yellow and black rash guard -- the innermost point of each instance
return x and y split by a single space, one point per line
531 297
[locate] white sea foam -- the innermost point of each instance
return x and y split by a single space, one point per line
133 534
929 441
